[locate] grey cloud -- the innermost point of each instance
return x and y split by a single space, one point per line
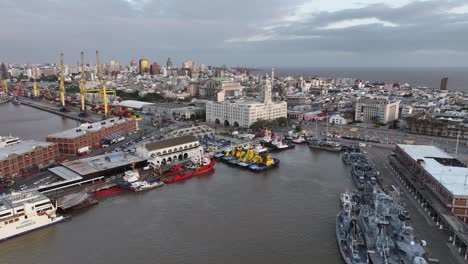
37 30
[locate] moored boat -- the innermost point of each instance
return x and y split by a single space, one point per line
264 166
24 212
325 145
147 185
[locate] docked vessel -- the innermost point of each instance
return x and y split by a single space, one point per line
389 239
25 212
277 144
353 157
187 171
146 185
4 98
249 159
16 101
299 140
349 237
325 145
264 165
8 141
364 175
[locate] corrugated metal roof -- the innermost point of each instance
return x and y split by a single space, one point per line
453 178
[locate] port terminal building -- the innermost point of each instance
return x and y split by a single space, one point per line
444 175
90 134
27 158
170 150
90 170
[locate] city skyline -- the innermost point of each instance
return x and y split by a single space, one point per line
299 33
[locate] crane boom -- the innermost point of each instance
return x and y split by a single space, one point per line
62 81
4 84
82 84
103 85
35 91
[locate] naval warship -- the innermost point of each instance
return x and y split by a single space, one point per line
389 239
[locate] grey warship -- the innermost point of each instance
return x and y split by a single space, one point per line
388 238
349 236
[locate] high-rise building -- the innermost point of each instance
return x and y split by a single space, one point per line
188 65
169 63
144 66
444 84
376 111
133 63
155 68
3 72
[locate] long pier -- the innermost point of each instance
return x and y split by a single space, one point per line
57 112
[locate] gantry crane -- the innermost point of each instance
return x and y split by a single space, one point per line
102 83
5 87
63 107
83 88
35 90
102 91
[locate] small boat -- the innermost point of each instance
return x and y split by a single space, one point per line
146 185
218 155
278 144
299 140
259 148
262 167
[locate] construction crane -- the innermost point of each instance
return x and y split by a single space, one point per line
63 107
102 83
5 87
35 90
83 87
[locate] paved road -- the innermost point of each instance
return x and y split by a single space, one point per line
425 228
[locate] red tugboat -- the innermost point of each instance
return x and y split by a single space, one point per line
206 165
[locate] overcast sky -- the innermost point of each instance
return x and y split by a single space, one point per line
279 33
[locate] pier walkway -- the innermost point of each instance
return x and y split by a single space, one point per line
53 109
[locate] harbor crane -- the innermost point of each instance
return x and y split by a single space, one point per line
83 88
102 91
63 107
102 84
4 85
35 90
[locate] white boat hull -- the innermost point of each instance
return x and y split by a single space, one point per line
27 225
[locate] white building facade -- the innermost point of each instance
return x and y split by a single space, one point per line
337 119
170 150
380 111
244 113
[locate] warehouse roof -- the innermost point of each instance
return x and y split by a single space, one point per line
134 104
167 143
87 127
101 163
420 151
442 167
22 148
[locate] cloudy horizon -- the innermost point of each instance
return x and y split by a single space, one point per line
295 33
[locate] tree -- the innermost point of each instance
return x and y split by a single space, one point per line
282 121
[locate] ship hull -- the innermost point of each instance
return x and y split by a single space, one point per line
6 234
255 167
190 174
